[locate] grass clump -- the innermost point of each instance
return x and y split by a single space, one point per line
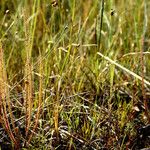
74 74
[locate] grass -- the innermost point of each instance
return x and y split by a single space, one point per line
74 74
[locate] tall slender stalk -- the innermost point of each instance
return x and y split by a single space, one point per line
29 34
39 101
5 102
101 25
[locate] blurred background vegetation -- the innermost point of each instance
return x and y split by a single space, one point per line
96 102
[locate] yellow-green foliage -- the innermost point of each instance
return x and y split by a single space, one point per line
72 72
